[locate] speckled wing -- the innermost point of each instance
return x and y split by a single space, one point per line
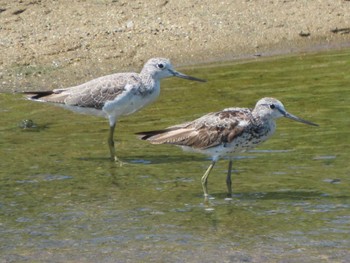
95 93
208 131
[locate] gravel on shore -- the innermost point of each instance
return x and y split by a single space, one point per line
67 42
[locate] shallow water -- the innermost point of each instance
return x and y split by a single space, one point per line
62 200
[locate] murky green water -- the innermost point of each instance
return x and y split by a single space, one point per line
62 200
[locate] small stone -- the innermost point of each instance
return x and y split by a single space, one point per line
130 24
304 34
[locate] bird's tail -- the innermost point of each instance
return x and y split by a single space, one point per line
36 95
149 134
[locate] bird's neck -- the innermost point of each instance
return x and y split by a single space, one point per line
148 78
150 84
266 124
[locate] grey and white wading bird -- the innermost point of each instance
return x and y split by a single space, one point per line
114 95
224 133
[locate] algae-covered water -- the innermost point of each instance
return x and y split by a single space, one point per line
62 200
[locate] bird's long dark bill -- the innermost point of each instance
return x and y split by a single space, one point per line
295 118
183 76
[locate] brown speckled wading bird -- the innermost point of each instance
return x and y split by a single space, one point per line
114 95
224 133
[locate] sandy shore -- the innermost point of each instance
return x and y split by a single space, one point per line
67 42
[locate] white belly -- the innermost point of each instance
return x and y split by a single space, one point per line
128 104
239 145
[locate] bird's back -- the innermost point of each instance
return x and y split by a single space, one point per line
95 93
204 132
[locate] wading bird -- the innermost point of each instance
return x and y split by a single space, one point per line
224 133
114 95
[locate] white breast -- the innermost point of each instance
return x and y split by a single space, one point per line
129 102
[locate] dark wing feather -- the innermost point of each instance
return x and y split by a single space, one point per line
35 95
148 134
47 96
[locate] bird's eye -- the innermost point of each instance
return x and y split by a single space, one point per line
272 106
160 65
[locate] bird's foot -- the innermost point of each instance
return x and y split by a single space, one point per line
232 196
118 161
208 197
229 196
208 205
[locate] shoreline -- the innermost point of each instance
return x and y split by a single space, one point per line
317 47
45 45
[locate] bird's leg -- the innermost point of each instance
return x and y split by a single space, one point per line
228 180
111 144
205 179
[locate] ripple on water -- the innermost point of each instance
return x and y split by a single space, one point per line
324 157
141 161
44 178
